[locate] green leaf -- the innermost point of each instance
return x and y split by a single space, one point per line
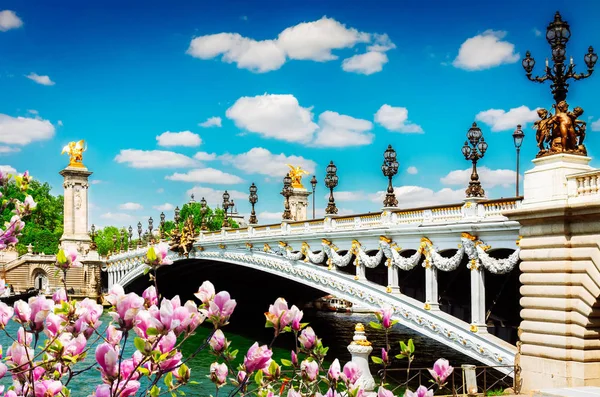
193 382
375 325
268 324
403 347
286 363
273 367
400 356
140 344
146 270
258 378
376 360
151 254
155 391
168 379
411 346
152 331
61 257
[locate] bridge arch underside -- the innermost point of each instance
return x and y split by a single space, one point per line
304 282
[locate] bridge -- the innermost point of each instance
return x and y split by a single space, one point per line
345 255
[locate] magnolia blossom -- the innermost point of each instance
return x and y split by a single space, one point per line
293 393
441 371
309 370
221 308
47 388
6 313
383 392
127 306
157 255
334 370
384 355
307 338
22 311
2 286
107 357
206 292
150 297
277 314
385 316
218 342
257 357
294 359
67 259
420 392
88 314
40 307
218 373
351 373
59 296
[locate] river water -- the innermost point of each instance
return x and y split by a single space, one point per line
335 329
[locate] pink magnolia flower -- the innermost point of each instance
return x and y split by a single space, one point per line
115 294
309 370
3 369
150 296
385 316
59 296
167 343
218 341
53 325
2 286
383 392
171 362
330 393
23 311
47 388
294 359
88 314
75 346
113 336
128 369
420 392
296 316
384 355
351 373
218 373
293 393
441 371
145 320
24 337
6 313
107 357
241 376
103 390
127 307
257 357
157 255
206 292
221 308
307 338
334 370
67 259
128 388
40 307
17 355
277 315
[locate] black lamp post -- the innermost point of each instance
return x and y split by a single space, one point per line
226 205
130 235
313 182
557 35
162 225
331 181
473 153
389 169
287 192
177 216
203 210
93 245
253 198
150 227
518 136
139 227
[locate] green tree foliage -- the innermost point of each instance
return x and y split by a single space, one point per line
105 243
214 218
44 227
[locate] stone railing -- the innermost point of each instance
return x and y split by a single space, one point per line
584 184
483 211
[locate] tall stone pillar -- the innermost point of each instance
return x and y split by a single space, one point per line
560 265
76 214
299 203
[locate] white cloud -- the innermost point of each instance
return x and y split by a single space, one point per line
338 130
59 123
215 197
9 20
367 63
183 138
489 178
96 181
116 216
412 170
266 217
261 161
33 111
417 196
24 130
43 80
501 120
211 122
8 149
131 206
485 51
7 169
154 159
396 119
164 207
274 116
160 190
537 32
348 195
204 156
595 125
306 41
206 175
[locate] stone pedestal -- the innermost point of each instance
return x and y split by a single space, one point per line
299 203
560 254
360 348
76 214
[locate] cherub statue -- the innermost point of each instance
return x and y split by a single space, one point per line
563 131
542 127
75 151
578 125
296 175
564 127
182 241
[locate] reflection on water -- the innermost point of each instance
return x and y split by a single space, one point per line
335 329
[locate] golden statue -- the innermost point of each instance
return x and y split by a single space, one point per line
296 175
75 151
561 132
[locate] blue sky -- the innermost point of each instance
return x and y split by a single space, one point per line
276 82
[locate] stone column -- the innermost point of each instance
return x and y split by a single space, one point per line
299 203
360 348
560 262
75 228
393 282
478 322
431 288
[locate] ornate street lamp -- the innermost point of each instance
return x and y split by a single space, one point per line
177 216
557 35
518 139
162 225
93 245
192 201
253 198
287 192
331 181
150 227
226 205
139 227
389 169
203 210
232 206
130 235
313 182
474 152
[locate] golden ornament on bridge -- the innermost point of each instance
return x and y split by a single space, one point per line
75 151
296 174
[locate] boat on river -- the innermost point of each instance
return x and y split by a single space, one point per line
10 298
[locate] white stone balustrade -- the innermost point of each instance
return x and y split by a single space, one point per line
584 186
